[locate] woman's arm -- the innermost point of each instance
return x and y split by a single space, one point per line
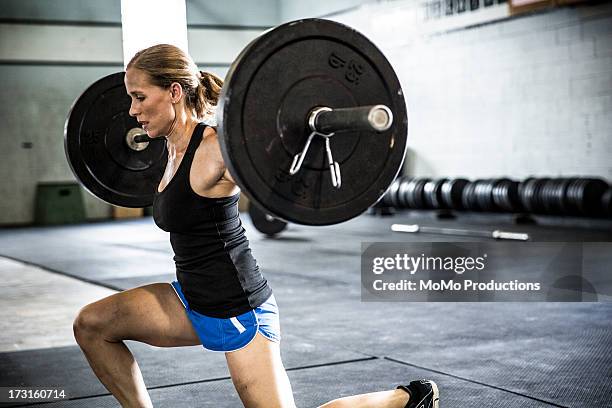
209 175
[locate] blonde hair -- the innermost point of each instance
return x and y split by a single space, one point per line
165 64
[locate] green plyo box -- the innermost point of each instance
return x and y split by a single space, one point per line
59 203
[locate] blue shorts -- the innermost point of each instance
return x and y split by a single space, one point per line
236 332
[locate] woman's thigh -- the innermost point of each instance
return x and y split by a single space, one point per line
151 314
259 375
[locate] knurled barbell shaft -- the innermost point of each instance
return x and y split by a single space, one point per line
368 118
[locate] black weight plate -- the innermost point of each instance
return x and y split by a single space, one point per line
554 191
572 196
547 198
475 196
538 198
95 144
580 199
512 199
419 193
471 196
485 195
467 196
592 194
523 191
409 193
387 199
438 203
492 204
401 193
501 194
429 194
433 194
394 191
264 222
555 195
452 191
561 195
497 194
606 203
269 91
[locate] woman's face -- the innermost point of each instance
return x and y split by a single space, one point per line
151 105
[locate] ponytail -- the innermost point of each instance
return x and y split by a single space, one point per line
207 94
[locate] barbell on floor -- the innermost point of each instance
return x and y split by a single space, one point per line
478 233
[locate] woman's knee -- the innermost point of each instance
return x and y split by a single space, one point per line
91 322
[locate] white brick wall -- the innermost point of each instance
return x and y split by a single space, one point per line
530 95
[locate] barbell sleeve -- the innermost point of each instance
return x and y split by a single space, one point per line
142 138
325 120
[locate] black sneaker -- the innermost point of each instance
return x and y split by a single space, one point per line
423 394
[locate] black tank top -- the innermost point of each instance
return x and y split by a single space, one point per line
214 265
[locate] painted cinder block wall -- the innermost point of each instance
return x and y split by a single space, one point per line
50 51
525 95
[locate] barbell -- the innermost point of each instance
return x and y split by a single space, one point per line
311 120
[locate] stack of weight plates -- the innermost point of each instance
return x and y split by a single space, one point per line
576 196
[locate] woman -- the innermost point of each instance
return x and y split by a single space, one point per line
221 300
